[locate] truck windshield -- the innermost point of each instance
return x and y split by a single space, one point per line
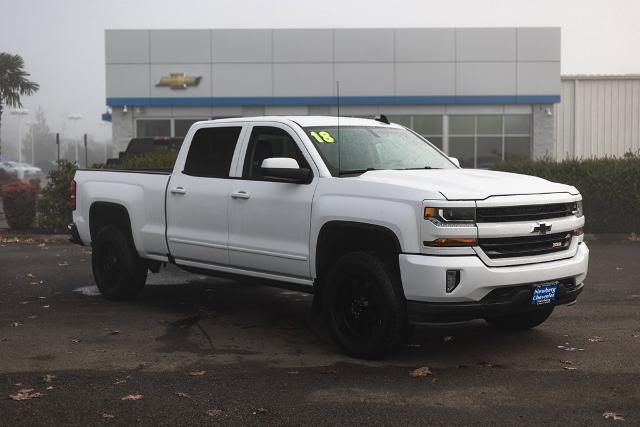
358 149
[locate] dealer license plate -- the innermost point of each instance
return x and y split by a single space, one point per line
544 293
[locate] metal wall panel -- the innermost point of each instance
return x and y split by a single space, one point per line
303 45
430 64
425 45
363 45
180 46
598 116
127 47
242 80
128 80
486 44
486 78
317 81
241 46
538 44
538 78
418 79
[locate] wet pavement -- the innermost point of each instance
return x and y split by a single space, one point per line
268 360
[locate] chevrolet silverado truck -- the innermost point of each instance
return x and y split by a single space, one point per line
381 226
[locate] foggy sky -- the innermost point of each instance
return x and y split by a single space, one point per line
62 41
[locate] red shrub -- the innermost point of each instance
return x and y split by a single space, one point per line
5 177
19 203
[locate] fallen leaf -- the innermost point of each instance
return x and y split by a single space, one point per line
112 332
32 317
132 397
293 372
566 362
420 372
183 394
50 387
76 340
613 416
413 345
46 306
329 371
25 394
198 373
260 411
447 338
118 381
30 276
596 339
107 416
570 368
48 378
16 324
214 412
490 365
24 302
63 264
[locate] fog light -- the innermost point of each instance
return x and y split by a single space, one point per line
453 280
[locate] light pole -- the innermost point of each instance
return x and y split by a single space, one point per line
74 119
20 112
105 128
31 124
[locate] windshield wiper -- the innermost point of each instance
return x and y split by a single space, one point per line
357 171
413 169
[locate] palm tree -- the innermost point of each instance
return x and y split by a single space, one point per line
13 82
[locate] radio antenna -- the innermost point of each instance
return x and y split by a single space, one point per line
338 101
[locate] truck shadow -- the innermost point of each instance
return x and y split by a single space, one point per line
244 320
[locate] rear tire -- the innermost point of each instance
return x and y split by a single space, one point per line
365 309
117 269
521 321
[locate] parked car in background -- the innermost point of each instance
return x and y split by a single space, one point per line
142 146
24 170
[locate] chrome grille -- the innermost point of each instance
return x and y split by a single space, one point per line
508 247
524 213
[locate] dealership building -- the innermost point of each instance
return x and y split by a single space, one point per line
480 94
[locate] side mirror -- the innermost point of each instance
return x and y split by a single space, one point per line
285 169
455 161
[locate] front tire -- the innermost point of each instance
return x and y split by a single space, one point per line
117 269
365 309
521 321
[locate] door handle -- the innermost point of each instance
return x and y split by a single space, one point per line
178 190
240 195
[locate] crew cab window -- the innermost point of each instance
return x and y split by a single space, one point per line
266 142
211 152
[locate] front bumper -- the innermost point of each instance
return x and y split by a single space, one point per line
500 302
423 279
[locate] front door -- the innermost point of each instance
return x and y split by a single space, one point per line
269 221
198 197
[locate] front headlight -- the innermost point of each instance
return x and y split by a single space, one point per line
577 209
454 216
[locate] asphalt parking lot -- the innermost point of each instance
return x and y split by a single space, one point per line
197 350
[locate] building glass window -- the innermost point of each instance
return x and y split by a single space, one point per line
483 140
153 127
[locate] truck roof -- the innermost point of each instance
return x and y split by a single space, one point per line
305 121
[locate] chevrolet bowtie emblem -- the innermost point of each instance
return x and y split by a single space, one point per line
179 81
541 228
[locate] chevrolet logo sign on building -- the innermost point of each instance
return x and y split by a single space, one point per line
178 81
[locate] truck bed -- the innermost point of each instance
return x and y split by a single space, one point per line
141 192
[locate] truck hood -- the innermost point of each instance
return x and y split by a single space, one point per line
467 184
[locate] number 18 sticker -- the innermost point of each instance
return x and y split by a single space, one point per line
322 137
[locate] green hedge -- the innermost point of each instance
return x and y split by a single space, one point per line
610 188
157 160
54 207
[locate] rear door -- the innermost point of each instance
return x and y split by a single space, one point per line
269 221
198 196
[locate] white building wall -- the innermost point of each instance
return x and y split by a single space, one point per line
598 116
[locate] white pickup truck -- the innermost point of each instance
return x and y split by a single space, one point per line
382 227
